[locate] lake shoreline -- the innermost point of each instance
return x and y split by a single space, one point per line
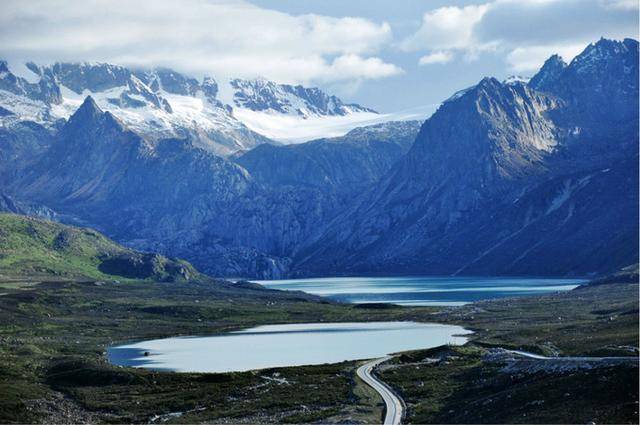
288 345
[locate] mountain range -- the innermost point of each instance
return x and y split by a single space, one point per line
161 103
536 177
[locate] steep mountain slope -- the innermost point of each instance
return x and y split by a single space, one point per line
172 197
21 142
343 164
548 74
150 195
95 159
600 89
504 178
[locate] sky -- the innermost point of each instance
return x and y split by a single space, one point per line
390 55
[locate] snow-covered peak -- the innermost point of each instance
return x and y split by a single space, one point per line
516 79
262 95
223 117
24 71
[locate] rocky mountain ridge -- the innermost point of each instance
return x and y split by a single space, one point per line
492 165
160 103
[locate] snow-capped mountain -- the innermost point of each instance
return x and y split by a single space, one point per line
267 96
162 103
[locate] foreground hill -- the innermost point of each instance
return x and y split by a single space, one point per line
33 247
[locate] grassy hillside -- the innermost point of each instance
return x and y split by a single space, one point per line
34 247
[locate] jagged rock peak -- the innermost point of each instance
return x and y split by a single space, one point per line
604 49
88 110
549 73
90 116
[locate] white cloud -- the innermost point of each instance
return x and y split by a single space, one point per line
527 31
531 58
446 28
355 65
219 37
440 57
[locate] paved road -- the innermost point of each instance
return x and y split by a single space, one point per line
573 358
394 405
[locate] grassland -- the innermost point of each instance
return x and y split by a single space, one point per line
53 367
592 320
467 385
54 336
67 293
472 385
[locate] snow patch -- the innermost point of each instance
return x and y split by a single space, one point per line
567 190
25 109
20 69
516 79
291 129
459 94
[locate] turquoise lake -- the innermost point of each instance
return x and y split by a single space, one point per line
421 290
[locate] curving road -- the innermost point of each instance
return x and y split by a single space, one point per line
573 358
394 406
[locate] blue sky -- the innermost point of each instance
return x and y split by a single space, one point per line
385 54
577 23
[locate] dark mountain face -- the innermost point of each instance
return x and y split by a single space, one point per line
21 143
502 176
548 74
299 188
579 223
600 91
87 159
343 164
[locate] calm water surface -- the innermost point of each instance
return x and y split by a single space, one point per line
424 291
285 345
